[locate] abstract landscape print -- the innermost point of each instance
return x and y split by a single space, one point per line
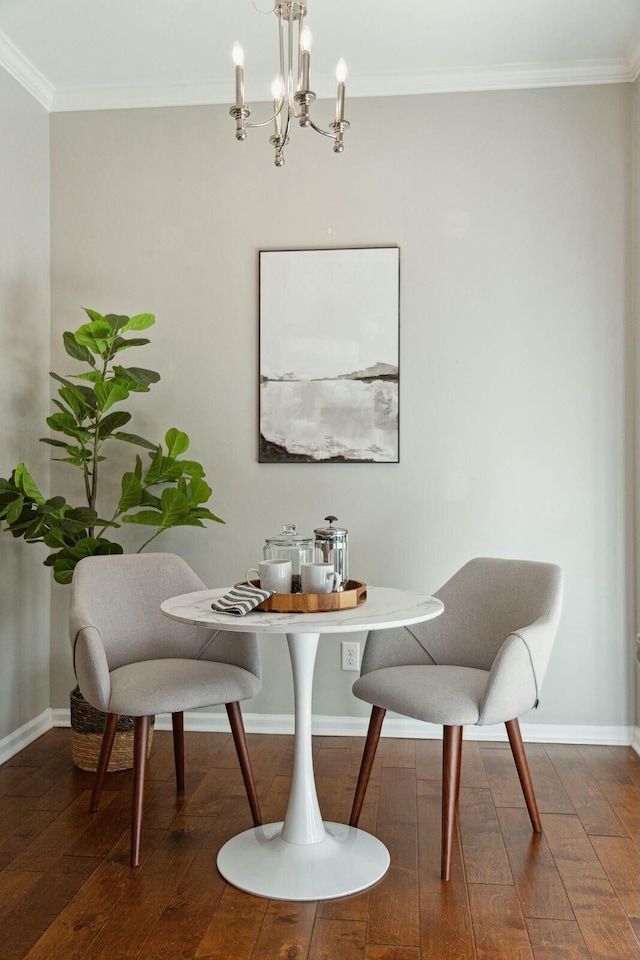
329 355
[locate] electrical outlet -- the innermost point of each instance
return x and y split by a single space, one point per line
350 655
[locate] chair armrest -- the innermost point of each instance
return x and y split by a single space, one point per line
91 667
516 675
511 687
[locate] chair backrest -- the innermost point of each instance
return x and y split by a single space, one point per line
484 602
120 595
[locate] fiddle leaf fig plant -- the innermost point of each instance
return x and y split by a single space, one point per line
162 490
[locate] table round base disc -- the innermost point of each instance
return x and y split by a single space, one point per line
347 861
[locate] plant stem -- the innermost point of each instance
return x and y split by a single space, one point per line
147 542
96 448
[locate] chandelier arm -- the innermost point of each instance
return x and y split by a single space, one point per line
264 123
325 133
287 125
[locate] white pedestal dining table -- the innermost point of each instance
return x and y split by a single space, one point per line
304 857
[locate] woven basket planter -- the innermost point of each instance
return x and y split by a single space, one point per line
87 726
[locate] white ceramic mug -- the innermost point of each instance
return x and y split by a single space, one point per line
273 575
318 577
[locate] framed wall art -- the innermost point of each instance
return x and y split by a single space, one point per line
329 355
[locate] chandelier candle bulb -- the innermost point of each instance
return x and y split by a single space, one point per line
238 59
305 45
276 93
341 76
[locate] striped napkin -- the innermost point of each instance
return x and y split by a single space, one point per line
241 599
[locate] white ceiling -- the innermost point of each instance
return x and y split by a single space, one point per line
85 54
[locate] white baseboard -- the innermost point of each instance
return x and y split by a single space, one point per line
404 728
25 735
328 726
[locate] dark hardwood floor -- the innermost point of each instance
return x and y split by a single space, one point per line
571 893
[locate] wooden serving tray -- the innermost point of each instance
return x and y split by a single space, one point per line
353 595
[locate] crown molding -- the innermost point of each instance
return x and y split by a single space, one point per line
519 76
22 70
506 77
130 97
511 76
633 60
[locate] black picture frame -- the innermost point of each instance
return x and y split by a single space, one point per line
329 355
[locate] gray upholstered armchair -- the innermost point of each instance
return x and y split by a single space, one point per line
130 659
483 661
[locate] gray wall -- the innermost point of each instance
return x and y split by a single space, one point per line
512 211
24 393
636 401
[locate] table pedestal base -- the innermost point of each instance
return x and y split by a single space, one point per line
259 861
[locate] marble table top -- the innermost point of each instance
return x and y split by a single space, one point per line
385 607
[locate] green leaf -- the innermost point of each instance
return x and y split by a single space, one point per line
138 467
86 547
63 570
25 482
150 518
109 393
93 314
130 385
73 400
117 322
142 321
177 442
108 547
53 443
192 468
206 515
149 500
54 538
56 376
84 515
121 344
133 438
199 491
175 507
53 505
131 493
14 510
75 349
88 396
92 375
155 470
111 422
96 336
85 396
138 374
65 423
37 528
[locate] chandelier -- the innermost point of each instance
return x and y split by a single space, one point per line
290 89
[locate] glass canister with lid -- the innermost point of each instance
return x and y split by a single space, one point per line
290 545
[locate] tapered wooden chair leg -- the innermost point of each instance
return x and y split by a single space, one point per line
520 757
178 749
109 735
140 738
368 756
239 738
451 756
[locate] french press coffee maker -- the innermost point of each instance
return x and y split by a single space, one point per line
331 546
